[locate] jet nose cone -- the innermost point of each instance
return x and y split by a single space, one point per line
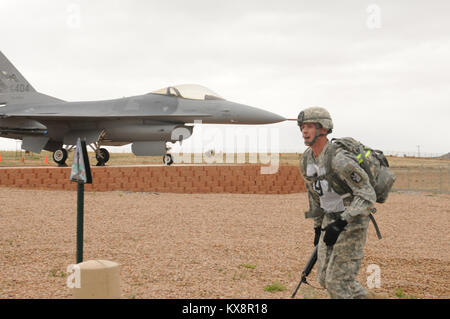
251 115
269 117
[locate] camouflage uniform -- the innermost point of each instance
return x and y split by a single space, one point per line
349 196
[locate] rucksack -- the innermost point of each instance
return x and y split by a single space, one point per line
372 161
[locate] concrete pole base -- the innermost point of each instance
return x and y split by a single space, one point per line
99 279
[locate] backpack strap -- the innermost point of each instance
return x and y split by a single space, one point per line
330 174
377 230
305 154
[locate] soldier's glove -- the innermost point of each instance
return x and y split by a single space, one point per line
333 230
317 231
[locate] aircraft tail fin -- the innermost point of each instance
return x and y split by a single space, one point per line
15 89
11 81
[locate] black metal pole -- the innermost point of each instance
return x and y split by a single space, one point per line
80 221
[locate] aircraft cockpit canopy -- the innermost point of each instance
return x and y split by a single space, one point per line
189 91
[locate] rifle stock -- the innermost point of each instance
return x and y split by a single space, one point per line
305 273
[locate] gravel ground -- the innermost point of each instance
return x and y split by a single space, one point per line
210 245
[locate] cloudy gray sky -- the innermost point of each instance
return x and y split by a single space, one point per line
380 67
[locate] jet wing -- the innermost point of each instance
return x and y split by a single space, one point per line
65 117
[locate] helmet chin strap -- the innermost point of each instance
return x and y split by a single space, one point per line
315 137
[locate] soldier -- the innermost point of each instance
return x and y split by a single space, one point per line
339 203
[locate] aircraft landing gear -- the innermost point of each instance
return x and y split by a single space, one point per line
60 157
102 156
167 159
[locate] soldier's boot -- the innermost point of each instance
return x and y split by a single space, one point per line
376 295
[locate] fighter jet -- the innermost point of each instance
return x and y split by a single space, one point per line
149 121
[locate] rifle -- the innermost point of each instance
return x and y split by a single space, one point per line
309 266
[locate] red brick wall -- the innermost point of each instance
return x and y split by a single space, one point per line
244 179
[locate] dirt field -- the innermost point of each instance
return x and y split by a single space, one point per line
211 245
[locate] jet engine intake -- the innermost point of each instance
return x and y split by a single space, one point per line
180 133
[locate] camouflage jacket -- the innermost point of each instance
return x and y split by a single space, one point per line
349 190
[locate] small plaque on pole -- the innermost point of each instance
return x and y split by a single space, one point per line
81 170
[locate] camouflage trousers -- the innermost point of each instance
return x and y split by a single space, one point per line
339 265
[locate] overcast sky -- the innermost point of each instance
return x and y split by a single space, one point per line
382 68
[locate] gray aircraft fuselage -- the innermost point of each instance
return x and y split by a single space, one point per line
149 117
148 121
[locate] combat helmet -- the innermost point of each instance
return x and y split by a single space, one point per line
317 115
